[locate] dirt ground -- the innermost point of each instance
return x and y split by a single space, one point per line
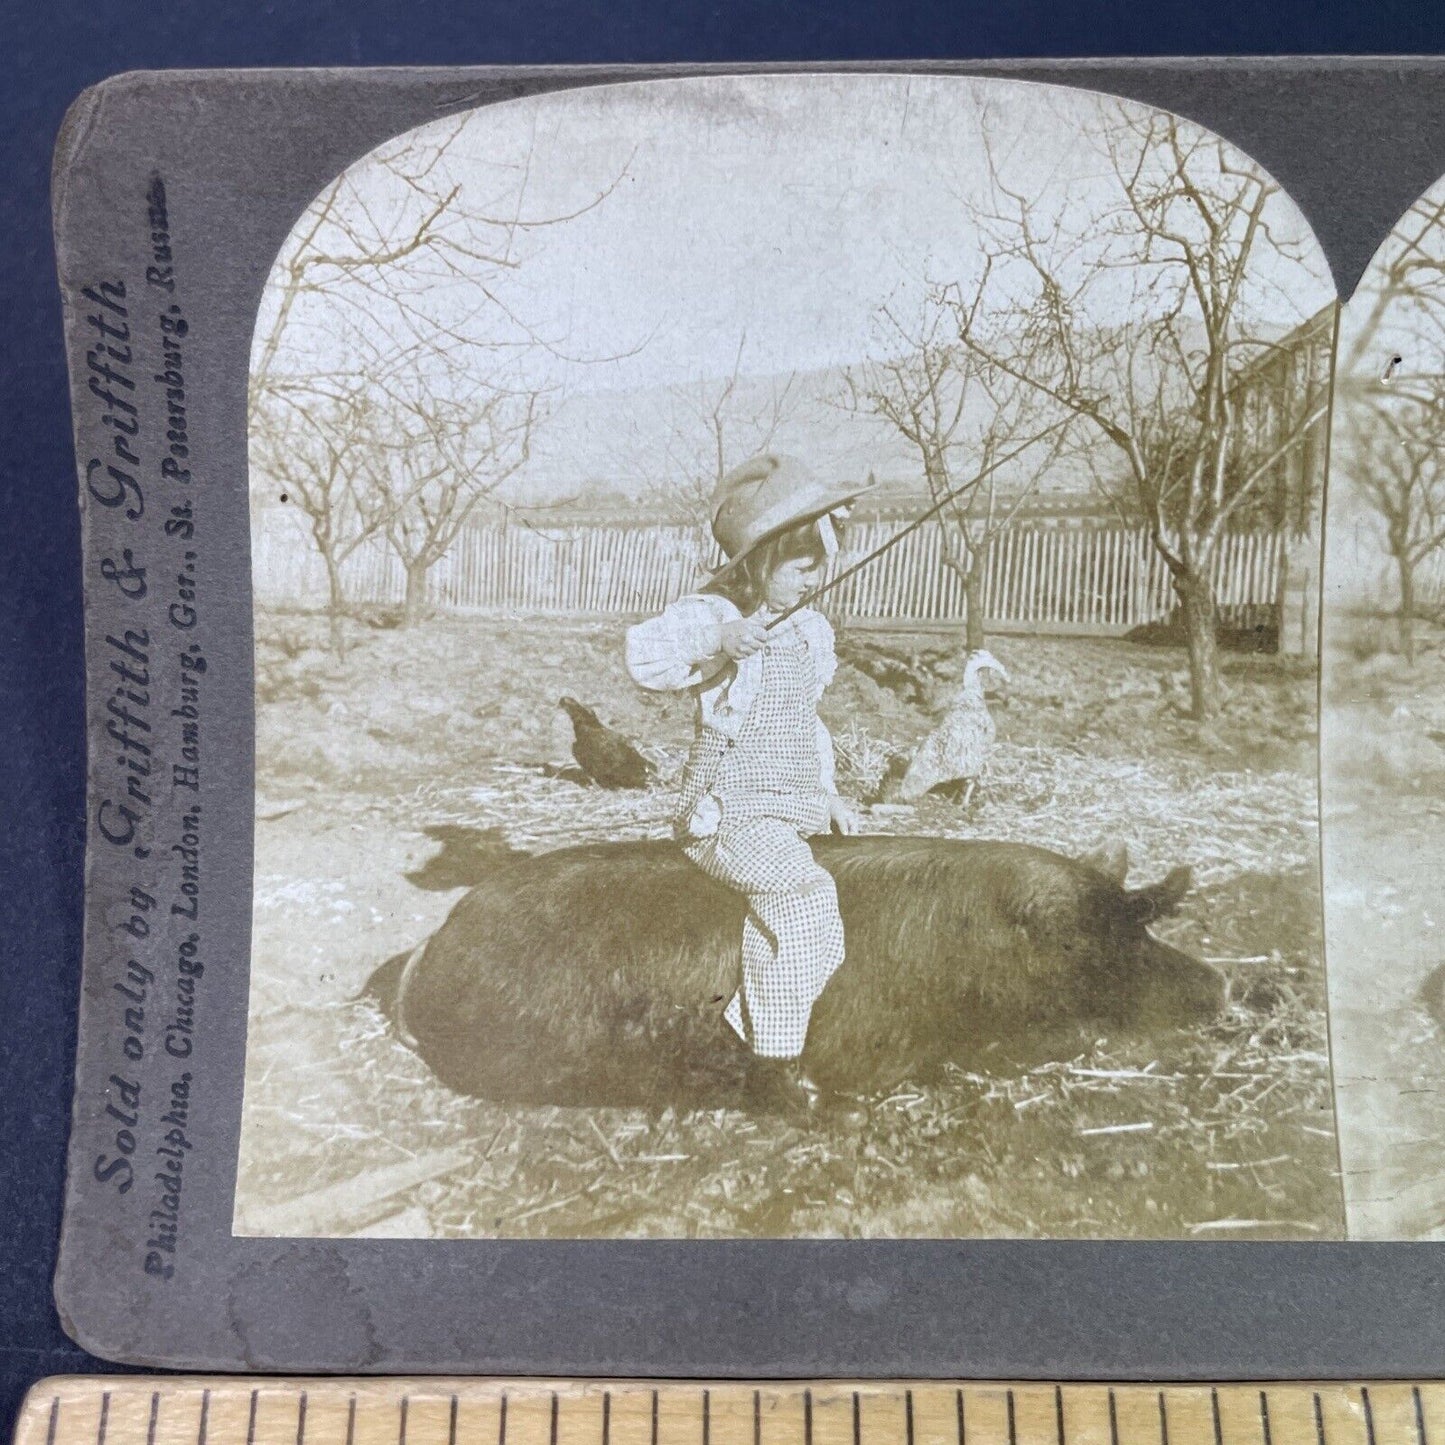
1384 810
1224 1131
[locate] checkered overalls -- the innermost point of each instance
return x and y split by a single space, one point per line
766 785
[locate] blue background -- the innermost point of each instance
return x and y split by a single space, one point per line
56 50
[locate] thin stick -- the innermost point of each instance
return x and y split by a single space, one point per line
913 526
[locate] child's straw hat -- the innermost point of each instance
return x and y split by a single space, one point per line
768 494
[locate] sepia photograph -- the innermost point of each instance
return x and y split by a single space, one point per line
1383 733
787 628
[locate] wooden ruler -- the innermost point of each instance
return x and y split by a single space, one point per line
237 1410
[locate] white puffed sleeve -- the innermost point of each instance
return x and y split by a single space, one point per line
680 647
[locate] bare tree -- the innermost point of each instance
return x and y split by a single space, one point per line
1398 466
392 288
406 257
966 420
1184 251
1405 290
311 450
442 458
1391 409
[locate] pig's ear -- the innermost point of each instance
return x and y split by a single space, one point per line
1160 899
1111 859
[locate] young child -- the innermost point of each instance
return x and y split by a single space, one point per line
760 776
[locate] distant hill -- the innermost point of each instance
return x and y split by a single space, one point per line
638 453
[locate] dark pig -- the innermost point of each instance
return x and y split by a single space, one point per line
597 974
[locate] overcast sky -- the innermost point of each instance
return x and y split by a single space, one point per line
786 209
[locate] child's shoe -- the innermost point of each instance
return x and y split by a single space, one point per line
780 1086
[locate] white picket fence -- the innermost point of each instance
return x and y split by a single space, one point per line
1096 580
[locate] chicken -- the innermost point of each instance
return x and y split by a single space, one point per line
605 756
952 757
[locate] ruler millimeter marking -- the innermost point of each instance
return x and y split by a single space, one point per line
182 1410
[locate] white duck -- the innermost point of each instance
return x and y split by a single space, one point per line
957 749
